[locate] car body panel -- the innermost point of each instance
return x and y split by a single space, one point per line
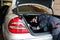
26 36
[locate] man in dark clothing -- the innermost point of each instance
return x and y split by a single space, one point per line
56 27
52 23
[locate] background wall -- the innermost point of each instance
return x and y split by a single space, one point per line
56 7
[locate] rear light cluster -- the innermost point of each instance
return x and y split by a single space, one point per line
16 25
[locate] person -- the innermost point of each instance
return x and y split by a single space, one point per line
55 22
52 22
34 21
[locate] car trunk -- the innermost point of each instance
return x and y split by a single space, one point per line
29 12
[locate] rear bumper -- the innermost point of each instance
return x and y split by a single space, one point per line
9 36
27 37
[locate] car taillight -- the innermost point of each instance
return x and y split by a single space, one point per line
16 25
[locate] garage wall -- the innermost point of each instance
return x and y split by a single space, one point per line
57 7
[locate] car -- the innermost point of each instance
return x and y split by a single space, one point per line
17 25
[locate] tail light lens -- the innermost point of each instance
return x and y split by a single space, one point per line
16 25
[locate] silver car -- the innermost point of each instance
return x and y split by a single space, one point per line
15 26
